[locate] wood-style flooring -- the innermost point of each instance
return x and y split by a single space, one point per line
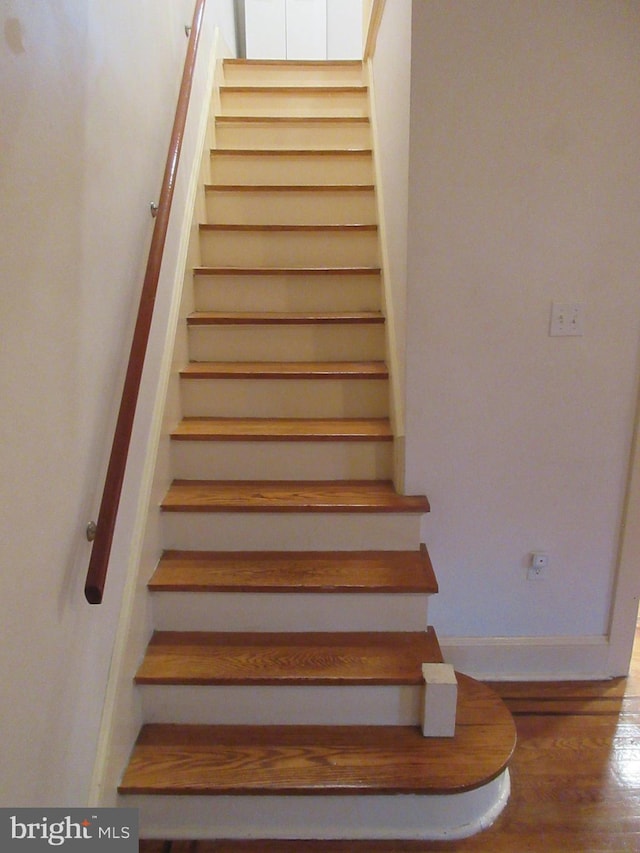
575 779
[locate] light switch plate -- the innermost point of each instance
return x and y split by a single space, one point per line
567 318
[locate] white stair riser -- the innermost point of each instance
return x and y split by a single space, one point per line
281 342
253 102
289 207
288 248
289 531
275 460
285 398
285 170
287 135
317 611
293 74
391 705
393 816
287 292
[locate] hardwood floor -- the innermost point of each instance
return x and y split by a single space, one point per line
575 779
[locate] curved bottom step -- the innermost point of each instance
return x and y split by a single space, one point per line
420 817
321 782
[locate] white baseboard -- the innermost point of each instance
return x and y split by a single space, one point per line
355 816
529 658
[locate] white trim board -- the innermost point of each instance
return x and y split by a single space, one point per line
529 658
624 609
355 816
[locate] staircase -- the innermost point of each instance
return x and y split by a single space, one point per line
283 689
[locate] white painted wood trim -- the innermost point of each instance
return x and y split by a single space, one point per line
289 611
396 395
269 705
121 716
529 658
372 25
440 700
295 531
430 817
624 610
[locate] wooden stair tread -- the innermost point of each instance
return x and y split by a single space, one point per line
298 271
311 119
252 318
209 760
295 572
290 63
350 228
288 188
290 496
285 370
282 429
291 152
290 89
310 658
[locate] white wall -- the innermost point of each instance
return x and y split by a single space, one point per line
158 412
223 15
525 188
87 97
344 29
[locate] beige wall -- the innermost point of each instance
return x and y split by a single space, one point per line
87 97
524 189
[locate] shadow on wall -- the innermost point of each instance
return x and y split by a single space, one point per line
241 36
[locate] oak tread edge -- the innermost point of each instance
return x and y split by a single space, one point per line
290 89
356 496
282 429
347 228
292 152
295 572
288 659
310 119
285 271
285 370
288 188
229 318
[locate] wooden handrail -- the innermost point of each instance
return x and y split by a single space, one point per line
99 561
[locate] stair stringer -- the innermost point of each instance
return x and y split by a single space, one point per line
395 340
122 712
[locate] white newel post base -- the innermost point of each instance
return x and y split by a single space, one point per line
440 698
